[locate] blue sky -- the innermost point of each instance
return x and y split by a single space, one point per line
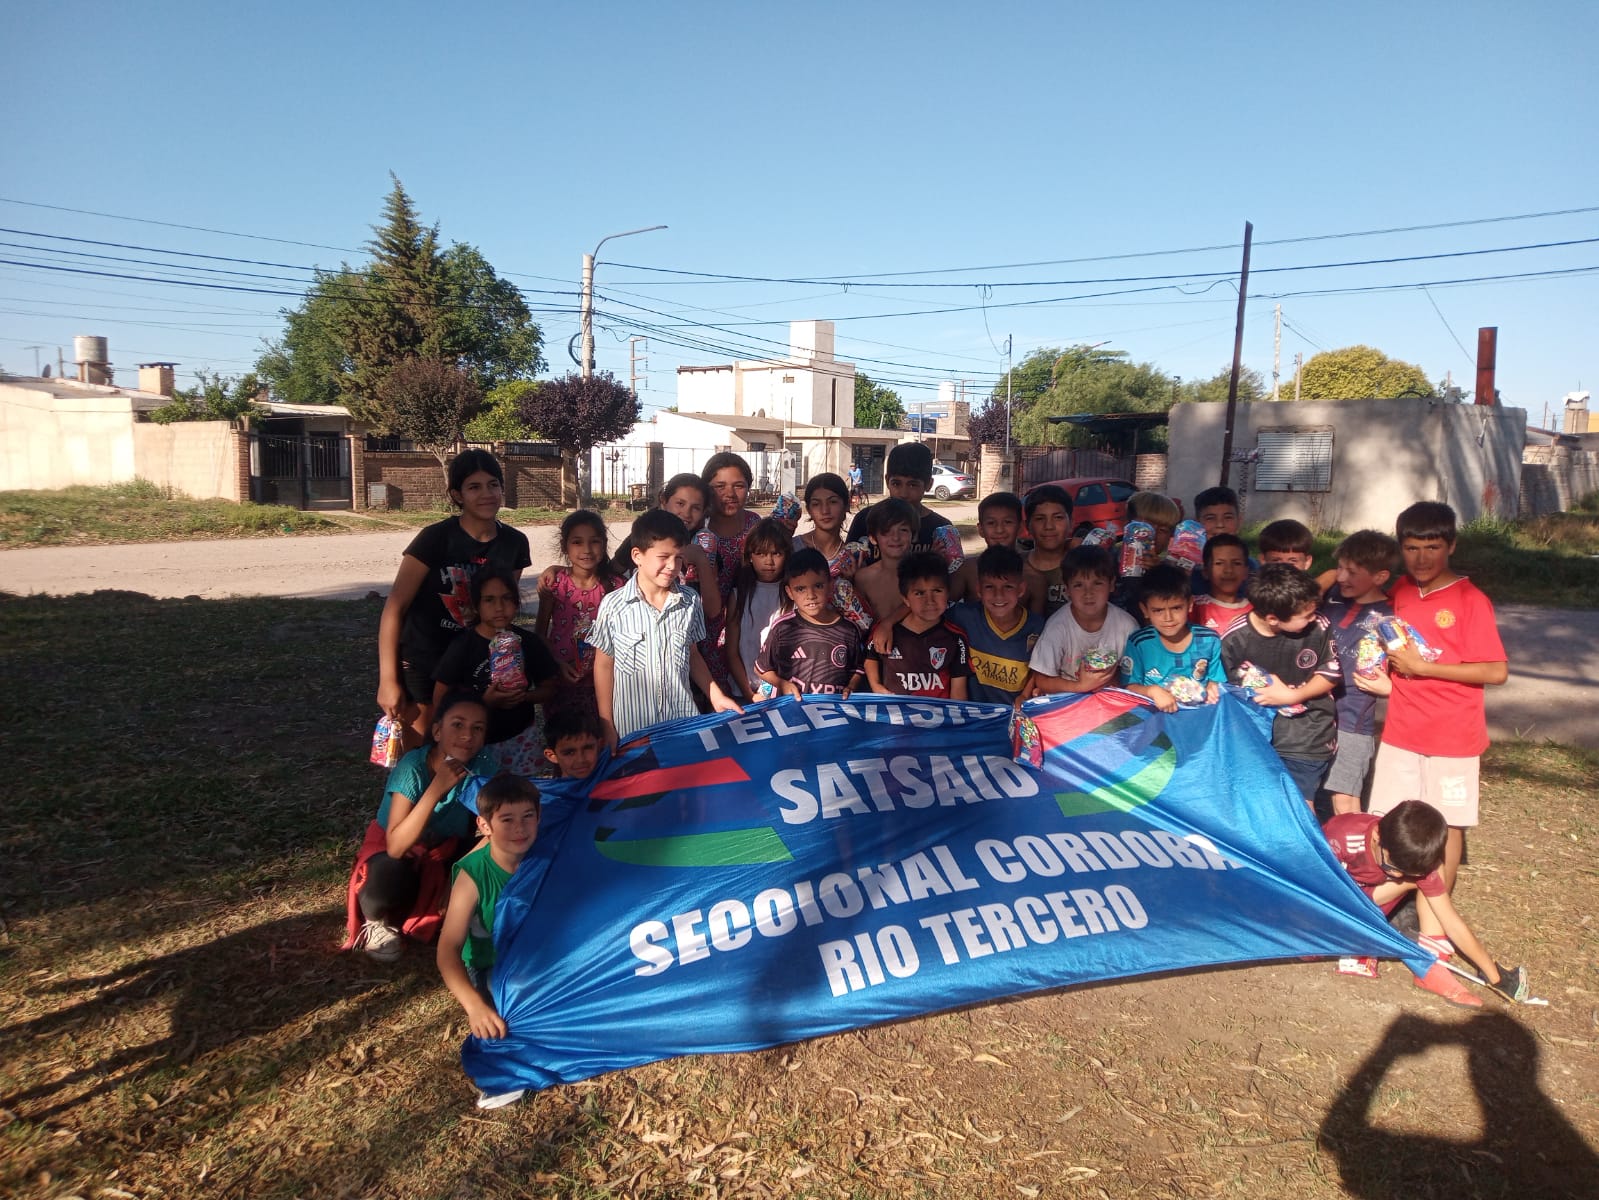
824 139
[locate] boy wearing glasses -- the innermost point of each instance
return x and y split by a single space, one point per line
1401 852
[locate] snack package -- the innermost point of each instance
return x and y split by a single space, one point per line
1253 678
1185 689
851 606
505 662
947 545
1370 657
1098 537
1187 548
1027 747
1396 630
787 509
388 743
852 558
1099 659
1137 545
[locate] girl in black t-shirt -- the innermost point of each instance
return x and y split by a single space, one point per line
431 599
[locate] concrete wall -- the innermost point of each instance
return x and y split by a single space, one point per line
203 459
1554 478
56 441
1387 454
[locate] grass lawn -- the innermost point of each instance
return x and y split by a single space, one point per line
187 782
139 512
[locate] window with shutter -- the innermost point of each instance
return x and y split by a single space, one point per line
1294 460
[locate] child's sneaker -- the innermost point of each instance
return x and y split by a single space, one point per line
1440 945
1440 982
1364 966
484 1100
380 942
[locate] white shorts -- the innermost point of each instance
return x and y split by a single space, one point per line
1448 784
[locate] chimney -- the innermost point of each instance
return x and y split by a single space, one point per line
1487 352
156 377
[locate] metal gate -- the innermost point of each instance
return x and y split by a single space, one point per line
301 470
1041 464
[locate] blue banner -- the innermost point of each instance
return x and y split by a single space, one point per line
737 882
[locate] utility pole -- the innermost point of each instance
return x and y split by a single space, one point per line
1238 359
587 363
1007 397
635 360
1277 355
35 350
1299 361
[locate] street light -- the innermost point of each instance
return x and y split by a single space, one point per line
588 295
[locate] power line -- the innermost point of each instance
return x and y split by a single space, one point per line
1059 262
1217 275
1445 320
86 212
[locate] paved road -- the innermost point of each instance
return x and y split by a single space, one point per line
1554 653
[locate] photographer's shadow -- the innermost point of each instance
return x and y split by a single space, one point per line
1527 1151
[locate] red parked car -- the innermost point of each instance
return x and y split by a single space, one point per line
1094 501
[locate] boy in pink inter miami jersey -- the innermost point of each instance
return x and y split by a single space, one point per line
810 647
1437 728
928 656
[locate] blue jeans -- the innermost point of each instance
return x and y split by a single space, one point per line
1307 774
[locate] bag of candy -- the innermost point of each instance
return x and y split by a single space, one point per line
1098 537
787 510
1187 548
1186 690
1370 657
1138 545
506 669
1395 630
1253 679
388 742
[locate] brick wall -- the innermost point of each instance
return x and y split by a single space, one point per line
415 480
1149 473
1554 478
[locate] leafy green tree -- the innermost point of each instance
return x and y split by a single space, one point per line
500 419
1359 373
217 398
1051 382
411 300
876 406
1251 386
578 414
430 401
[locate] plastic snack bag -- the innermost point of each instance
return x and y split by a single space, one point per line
388 743
1098 537
1187 548
1027 746
1253 678
1370 657
1137 545
1185 689
787 509
505 662
947 545
1099 659
1395 631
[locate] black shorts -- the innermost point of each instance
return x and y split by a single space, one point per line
417 682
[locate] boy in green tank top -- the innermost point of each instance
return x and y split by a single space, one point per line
508 815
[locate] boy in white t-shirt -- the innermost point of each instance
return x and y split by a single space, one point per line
1081 646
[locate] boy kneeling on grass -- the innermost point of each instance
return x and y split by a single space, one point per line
1399 853
508 816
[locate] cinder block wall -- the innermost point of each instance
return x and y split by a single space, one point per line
416 482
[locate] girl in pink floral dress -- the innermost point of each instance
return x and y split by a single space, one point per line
727 477
569 596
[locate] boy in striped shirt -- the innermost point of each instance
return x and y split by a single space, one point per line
644 637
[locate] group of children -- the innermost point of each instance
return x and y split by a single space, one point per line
707 606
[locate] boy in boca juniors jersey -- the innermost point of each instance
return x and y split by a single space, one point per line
928 655
1000 632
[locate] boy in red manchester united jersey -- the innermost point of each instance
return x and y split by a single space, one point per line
1437 729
